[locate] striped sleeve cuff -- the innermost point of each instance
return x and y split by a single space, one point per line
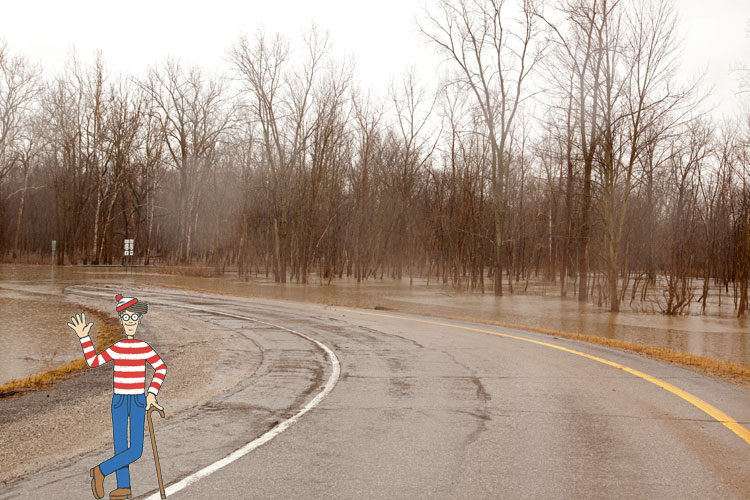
88 347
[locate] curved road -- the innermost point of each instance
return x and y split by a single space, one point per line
426 409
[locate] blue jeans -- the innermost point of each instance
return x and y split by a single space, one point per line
124 406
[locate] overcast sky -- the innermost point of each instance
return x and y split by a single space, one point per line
381 34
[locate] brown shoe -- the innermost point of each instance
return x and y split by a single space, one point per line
97 482
119 494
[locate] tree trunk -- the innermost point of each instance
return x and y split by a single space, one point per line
20 213
583 255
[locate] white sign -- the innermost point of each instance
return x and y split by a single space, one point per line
129 245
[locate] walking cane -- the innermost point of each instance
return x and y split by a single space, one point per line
153 445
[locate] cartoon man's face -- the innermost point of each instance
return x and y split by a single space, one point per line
130 321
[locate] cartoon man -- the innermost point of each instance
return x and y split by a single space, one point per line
130 356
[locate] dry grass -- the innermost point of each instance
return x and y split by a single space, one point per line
192 270
731 372
108 332
27 258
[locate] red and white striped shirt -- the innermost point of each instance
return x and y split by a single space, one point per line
130 356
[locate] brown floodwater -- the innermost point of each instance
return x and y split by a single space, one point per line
34 310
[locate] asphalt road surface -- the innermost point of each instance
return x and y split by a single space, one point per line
350 404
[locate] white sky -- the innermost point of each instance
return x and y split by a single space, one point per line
381 34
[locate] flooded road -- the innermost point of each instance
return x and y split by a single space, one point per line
34 309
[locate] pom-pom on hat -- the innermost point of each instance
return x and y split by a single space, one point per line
124 302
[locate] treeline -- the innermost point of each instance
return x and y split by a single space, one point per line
560 146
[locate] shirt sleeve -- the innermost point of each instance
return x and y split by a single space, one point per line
92 358
160 372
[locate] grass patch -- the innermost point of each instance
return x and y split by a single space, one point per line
731 372
108 332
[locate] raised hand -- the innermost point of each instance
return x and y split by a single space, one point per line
78 324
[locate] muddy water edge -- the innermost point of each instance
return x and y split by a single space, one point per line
34 308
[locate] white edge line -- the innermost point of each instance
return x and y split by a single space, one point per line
278 429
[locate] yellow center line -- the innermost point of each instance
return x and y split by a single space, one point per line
711 410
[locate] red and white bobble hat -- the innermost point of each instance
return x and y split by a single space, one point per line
124 302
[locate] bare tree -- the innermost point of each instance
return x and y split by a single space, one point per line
29 148
194 113
321 172
580 48
281 103
641 57
741 202
150 157
19 86
684 169
743 70
367 118
66 110
413 106
494 59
